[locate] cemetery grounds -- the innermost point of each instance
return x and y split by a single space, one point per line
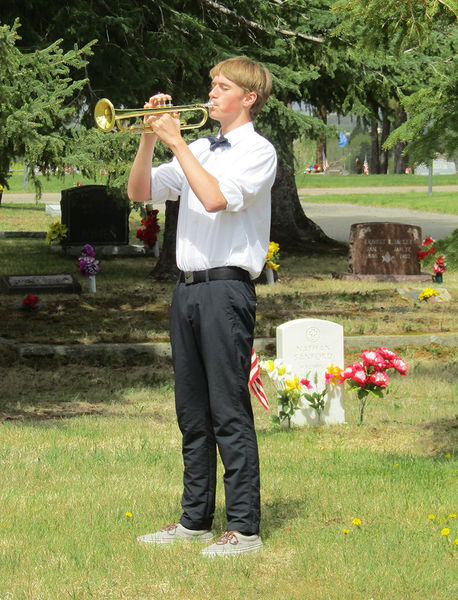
90 452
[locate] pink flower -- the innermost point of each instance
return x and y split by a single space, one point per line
306 383
400 365
360 377
387 354
379 378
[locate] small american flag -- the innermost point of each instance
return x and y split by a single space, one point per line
255 381
325 162
366 166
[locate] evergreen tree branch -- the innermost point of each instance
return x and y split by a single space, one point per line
258 26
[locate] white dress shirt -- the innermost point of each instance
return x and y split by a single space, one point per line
239 235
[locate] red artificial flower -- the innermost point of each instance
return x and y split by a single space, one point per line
387 354
428 240
360 377
148 235
30 301
371 358
379 378
400 365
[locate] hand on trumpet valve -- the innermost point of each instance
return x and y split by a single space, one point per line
166 125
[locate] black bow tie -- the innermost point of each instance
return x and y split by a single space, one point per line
219 141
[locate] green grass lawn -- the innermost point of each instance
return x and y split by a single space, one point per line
56 184
91 458
439 202
309 181
90 453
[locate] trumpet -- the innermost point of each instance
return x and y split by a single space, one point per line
107 116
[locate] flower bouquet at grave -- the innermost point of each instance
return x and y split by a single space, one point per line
87 263
31 302
148 235
56 233
273 255
439 268
369 378
427 248
293 393
271 265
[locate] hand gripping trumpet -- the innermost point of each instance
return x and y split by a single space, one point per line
107 116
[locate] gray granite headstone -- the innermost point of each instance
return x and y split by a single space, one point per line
94 216
35 284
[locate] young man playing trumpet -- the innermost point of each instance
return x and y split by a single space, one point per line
222 241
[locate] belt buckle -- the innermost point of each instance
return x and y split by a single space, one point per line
188 277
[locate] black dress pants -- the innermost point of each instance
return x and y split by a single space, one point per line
212 325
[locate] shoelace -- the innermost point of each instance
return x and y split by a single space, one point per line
229 536
170 528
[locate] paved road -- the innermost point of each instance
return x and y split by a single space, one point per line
336 219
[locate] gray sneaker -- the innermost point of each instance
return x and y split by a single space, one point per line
174 533
232 543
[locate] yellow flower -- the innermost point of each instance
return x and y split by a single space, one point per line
427 292
129 515
292 385
396 465
445 531
356 522
333 374
272 256
272 265
345 531
448 456
269 365
452 516
456 542
431 517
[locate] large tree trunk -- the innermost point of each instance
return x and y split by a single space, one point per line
321 149
290 227
166 267
385 134
375 159
400 162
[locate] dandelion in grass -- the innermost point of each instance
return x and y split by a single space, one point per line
129 515
452 515
431 517
456 542
445 531
357 522
448 456
345 531
396 465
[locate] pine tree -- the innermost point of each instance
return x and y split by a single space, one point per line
35 89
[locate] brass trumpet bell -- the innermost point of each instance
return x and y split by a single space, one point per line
107 116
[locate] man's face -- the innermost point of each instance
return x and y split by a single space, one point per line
228 98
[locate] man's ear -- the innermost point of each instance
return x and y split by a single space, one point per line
250 99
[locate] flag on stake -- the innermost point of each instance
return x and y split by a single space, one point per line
325 162
255 381
366 166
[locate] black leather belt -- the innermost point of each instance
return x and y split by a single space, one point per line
217 273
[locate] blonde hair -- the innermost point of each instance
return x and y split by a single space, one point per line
249 75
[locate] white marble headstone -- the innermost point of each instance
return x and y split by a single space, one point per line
310 346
